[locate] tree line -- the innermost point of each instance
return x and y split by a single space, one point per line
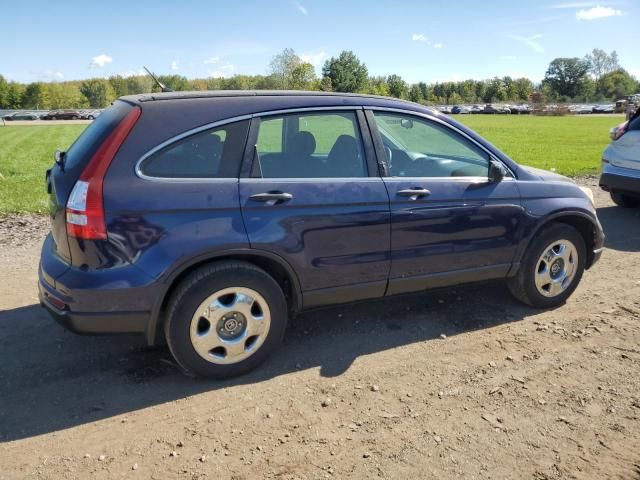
596 77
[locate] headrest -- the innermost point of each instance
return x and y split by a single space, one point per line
303 144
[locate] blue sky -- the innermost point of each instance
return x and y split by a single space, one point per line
419 40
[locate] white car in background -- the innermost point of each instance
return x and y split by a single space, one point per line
621 163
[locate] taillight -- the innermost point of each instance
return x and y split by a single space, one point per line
620 130
85 208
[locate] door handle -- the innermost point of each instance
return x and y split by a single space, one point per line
272 197
414 193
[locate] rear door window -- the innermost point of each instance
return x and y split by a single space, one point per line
214 153
310 145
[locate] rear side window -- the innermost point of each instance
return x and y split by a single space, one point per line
92 137
214 153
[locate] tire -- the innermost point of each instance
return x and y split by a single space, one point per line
528 286
238 299
625 200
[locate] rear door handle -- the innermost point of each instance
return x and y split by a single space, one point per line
414 193
272 197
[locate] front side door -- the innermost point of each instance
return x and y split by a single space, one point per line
450 222
314 197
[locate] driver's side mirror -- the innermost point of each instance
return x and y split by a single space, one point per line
496 171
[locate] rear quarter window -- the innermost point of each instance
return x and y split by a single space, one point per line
213 153
92 137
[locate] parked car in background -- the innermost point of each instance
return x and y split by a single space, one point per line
496 109
519 109
21 116
62 115
206 218
581 109
621 164
460 110
603 109
90 114
477 109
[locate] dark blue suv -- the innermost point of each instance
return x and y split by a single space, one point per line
206 219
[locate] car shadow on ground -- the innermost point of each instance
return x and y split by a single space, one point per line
621 227
52 380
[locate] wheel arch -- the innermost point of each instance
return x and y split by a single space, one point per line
581 221
271 263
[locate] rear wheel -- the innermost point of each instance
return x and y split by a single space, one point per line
225 319
625 200
551 268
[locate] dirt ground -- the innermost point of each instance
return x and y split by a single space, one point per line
460 383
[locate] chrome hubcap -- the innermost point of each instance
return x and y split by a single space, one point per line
230 325
556 268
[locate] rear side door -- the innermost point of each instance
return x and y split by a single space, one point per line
450 223
312 195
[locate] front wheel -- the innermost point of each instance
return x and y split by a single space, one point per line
551 268
625 200
225 319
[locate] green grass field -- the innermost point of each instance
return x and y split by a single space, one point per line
570 145
25 154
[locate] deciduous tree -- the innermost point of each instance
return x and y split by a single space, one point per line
600 62
397 86
346 73
566 76
615 85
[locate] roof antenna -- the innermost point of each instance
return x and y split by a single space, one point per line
162 86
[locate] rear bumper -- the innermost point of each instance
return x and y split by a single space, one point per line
115 300
620 180
90 322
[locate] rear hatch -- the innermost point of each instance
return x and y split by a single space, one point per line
62 177
625 151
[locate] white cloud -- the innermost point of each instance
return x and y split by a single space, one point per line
54 75
48 75
211 60
421 37
530 42
174 65
225 70
301 8
597 12
132 73
314 59
573 5
101 60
